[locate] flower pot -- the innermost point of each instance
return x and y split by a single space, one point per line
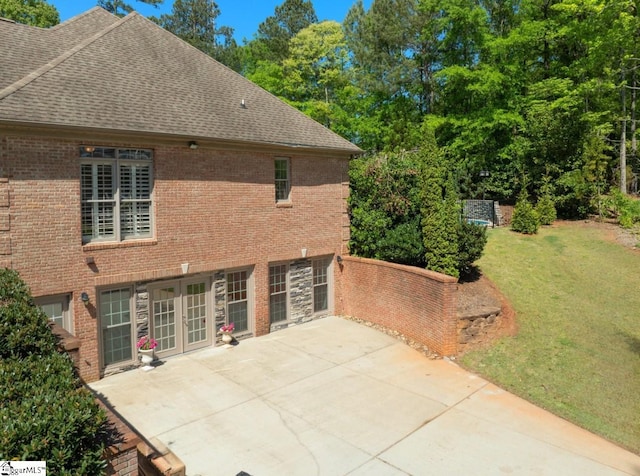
146 356
227 338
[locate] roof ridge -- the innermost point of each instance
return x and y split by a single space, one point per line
239 76
22 82
74 19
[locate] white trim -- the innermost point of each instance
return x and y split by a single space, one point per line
65 301
287 160
132 319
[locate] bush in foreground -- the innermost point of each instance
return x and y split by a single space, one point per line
45 412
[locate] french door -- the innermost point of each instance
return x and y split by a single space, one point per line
180 317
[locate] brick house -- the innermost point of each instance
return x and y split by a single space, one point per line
147 189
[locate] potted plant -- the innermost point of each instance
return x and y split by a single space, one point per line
145 347
227 331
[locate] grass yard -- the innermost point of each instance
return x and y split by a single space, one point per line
576 293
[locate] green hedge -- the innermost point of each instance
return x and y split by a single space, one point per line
45 412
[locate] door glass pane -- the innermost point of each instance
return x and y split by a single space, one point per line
115 319
164 318
196 313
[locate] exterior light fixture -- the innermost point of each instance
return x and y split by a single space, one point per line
193 145
84 297
339 259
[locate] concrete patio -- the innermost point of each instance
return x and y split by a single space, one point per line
333 397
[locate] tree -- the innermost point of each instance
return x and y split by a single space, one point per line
383 44
121 8
275 32
384 206
30 12
195 22
440 214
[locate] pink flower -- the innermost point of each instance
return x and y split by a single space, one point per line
145 343
228 328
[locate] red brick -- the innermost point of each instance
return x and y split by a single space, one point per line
213 208
419 304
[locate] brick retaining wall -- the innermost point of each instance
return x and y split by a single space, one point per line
418 303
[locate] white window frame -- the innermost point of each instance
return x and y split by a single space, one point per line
117 159
326 263
287 285
103 328
66 318
282 185
248 299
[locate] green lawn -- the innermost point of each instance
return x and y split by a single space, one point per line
577 351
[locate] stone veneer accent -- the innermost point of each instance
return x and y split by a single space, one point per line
300 294
220 302
142 309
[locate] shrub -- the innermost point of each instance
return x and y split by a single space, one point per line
402 244
46 414
12 288
626 209
525 218
546 210
24 330
472 239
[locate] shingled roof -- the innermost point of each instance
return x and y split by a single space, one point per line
98 71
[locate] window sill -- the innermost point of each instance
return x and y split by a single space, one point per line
118 244
287 204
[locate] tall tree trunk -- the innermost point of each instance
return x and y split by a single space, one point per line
634 142
623 137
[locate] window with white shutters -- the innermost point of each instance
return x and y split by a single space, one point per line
116 193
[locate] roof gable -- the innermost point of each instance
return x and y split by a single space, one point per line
100 71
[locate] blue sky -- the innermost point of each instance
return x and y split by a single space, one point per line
243 16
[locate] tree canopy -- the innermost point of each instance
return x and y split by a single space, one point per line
195 21
121 8
30 12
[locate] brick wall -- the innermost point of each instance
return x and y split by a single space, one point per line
419 304
122 452
214 208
